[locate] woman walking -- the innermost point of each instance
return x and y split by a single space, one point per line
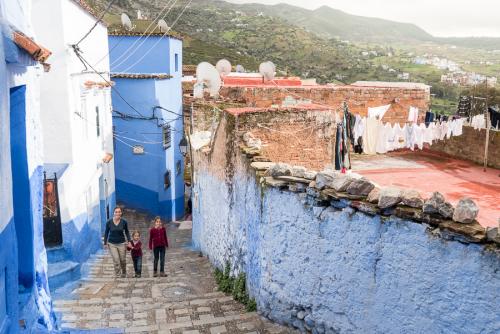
114 237
158 242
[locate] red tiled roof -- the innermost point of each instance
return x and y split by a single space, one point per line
35 50
139 33
159 76
83 4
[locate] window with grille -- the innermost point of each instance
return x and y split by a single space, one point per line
167 136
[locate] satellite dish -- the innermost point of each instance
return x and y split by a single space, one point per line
126 23
267 70
163 26
224 67
240 69
208 75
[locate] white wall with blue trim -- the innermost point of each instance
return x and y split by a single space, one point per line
77 131
24 292
141 118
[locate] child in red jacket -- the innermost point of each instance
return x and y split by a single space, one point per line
158 242
136 253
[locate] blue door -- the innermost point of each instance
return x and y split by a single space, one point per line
23 213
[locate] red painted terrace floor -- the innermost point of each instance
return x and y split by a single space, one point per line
428 171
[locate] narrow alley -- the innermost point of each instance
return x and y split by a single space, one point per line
186 301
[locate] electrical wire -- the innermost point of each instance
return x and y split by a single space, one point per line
138 141
129 52
85 63
96 23
145 152
158 41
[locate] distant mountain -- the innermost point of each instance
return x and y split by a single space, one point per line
215 29
331 22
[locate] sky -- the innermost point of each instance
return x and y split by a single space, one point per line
443 18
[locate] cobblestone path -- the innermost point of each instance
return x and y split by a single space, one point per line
186 301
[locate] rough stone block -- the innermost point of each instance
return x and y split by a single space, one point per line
389 197
466 211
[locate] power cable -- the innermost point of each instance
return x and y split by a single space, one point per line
158 41
96 23
85 63
129 52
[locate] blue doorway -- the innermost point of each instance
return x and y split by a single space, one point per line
21 190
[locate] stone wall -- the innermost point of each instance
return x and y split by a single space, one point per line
470 146
331 264
358 98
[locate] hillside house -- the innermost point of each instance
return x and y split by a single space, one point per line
148 124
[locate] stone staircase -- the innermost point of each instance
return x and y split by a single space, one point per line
60 269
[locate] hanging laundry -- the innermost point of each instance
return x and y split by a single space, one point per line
494 117
370 135
378 112
413 115
429 118
400 135
410 136
478 122
359 127
383 138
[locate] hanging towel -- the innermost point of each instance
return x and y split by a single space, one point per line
370 135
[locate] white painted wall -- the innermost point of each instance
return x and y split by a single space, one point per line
69 107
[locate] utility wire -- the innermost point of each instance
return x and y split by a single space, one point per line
85 63
158 41
129 51
96 23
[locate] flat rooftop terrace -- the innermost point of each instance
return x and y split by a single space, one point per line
427 172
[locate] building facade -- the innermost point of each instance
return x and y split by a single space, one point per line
77 134
24 294
148 124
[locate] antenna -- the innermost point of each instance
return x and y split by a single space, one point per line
126 23
163 26
267 70
240 69
224 67
208 75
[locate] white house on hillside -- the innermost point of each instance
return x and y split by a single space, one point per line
77 133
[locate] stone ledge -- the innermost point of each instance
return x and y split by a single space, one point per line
471 232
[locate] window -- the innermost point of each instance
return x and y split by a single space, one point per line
167 136
98 127
176 62
166 180
178 168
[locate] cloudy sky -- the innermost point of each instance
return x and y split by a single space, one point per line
438 17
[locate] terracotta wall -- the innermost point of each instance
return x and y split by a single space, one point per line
358 98
470 146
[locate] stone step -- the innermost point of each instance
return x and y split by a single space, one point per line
57 254
62 272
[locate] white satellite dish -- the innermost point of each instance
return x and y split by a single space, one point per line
267 70
208 75
240 69
163 26
126 23
224 67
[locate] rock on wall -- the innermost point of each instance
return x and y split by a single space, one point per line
470 146
332 270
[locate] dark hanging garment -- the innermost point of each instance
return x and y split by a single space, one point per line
494 117
339 154
358 148
429 118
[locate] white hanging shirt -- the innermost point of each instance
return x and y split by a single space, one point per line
359 128
378 112
413 115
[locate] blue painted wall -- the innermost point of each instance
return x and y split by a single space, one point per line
133 55
341 271
9 312
23 211
140 178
